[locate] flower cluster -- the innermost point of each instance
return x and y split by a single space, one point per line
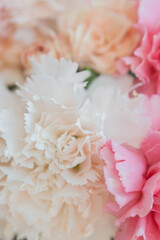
79 120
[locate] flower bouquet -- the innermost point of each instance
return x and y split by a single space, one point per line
80 119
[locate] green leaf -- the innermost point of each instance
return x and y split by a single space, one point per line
12 87
132 74
93 75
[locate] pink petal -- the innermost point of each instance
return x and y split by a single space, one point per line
132 228
122 167
113 182
153 107
151 147
143 207
152 229
131 167
149 14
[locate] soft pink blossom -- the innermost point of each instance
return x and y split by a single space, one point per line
152 105
145 62
133 177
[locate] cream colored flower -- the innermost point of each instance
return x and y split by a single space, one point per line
100 32
51 181
123 117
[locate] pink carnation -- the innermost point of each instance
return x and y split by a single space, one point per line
133 177
146 60
152 105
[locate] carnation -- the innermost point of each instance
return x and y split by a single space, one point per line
133 176
27 29
124 119
145 60
52 181
100 32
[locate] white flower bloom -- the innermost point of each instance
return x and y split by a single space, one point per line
124 118
51 176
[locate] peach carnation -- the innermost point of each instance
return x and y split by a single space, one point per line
25 42
28 29
101 32
54 46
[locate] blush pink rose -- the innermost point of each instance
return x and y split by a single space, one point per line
145 62
133 177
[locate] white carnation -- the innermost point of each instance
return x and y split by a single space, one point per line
123 117
52 182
